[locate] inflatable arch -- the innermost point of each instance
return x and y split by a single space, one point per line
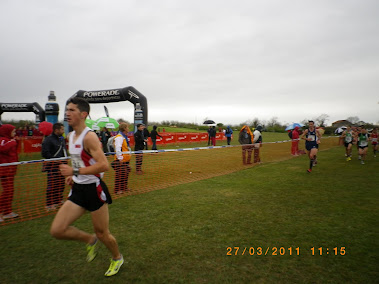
117 95
24 107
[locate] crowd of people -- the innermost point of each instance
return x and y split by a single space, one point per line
28 130
359 137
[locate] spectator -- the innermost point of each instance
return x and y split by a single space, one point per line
146 134
30 130
8 154
374 140
295 141
139 140
228 134
36 132
121 159
104 137
213 135
209 135
245 139
258 143
54 146
25 131
19 132
153 135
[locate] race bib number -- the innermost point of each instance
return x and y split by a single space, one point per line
348 139
363 143
312 137
76 161
374 139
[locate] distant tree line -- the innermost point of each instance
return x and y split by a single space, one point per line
271 125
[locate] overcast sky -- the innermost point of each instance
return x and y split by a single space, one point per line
225 60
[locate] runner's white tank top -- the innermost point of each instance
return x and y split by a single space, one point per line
80 158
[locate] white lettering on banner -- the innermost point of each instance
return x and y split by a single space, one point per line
35 109
37 145
49 107
181 138
131 94
204 136
95 94
194 137
169 139
14 106
102 99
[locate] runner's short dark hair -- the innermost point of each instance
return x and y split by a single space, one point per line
82 104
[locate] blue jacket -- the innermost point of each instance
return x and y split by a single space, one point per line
228 132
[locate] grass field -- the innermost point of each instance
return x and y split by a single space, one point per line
181 234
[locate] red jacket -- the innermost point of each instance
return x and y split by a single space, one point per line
295 133
8 145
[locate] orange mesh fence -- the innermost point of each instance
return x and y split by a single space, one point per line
163 168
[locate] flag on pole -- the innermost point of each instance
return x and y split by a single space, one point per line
106 111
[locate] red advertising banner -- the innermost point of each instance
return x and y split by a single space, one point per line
131 140
34 143
168 138
182 137
159 140
203 137
19 145
219 136
194 137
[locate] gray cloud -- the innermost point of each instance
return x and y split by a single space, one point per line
229 61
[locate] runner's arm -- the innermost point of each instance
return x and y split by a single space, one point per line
94 148
318 136
305 132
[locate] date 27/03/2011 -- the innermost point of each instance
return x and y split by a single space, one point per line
284 251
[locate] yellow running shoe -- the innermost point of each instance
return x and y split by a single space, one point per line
115 266
92 250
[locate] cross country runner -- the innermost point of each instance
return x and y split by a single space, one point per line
363 139
88 192
374 140
348 138
312 138
357 131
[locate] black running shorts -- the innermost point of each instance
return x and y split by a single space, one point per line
90 196
347 144
310 146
